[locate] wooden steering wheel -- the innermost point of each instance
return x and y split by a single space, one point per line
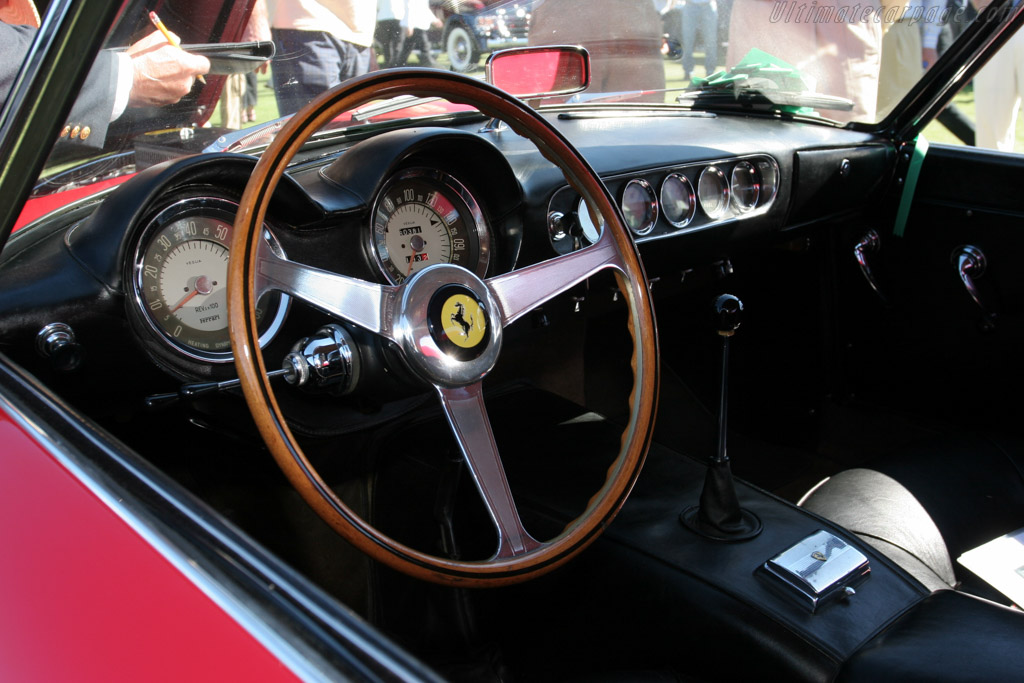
403 313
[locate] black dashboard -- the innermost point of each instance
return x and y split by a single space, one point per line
148 259
138 274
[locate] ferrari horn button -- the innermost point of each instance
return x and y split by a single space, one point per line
458 323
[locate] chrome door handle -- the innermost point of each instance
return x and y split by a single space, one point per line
970 263
870 243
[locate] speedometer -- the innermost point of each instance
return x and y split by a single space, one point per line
180 279
422 217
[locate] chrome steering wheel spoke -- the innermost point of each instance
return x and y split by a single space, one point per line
523 290
467 415
361 303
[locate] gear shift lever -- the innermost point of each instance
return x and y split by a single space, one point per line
719 516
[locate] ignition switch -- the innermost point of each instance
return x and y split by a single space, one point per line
327 361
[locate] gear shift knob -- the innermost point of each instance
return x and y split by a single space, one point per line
728 311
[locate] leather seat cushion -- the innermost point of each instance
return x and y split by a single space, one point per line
883 513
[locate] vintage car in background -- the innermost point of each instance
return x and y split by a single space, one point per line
571 372
477 27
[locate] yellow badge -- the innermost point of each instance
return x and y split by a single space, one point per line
464 320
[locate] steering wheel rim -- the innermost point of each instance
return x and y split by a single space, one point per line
518 557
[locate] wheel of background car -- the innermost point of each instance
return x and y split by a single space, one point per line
461 48
407 315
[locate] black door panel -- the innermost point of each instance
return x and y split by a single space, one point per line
932 352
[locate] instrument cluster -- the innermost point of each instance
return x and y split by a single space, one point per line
669 201
419 217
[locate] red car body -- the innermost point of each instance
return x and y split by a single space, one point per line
133 605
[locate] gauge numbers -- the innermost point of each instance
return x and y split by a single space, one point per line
184 281
425 217
181 279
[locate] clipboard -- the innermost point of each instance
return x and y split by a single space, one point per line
233 58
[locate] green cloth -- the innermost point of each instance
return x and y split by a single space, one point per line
913 171
758 69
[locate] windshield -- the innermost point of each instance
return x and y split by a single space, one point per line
183 76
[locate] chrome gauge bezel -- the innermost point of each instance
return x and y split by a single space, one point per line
720 193
470 219
219 209
738 187
768 174
590 233
678 180
647 197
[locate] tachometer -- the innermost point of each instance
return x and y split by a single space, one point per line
423 217
180 279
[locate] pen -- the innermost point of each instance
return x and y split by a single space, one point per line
170 39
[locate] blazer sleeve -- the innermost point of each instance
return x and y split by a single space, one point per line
91 112
14 44
90 115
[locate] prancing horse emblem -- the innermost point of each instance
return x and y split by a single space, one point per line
459 318
464 321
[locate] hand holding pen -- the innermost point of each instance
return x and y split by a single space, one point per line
163 72
171 38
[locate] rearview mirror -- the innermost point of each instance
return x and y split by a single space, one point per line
528 72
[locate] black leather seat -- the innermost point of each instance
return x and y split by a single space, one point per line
950 636
928 504
883 513
924 507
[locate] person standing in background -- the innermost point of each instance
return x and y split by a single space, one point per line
698 16
838 54
238 98
320 43
909 46
258 29
417 20
623 38
151 72
998 88
389 33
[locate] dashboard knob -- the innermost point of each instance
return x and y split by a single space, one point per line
557 226
57 342
727 310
